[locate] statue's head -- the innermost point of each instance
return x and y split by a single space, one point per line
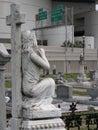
28 39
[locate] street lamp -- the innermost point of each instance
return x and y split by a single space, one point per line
84 47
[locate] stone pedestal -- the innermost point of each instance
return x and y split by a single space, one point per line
40 114
42 120
39 123
96 77
82 76
93 93
45 124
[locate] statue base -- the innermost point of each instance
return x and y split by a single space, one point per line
37 114
39 124
47 124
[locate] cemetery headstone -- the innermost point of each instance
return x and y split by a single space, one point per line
64 91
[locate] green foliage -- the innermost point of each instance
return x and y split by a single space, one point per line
80 93
88 75
66 76
67 44
8 83
72 75
77 44
44 75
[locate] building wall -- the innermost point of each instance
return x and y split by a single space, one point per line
66 60
89 25
89 41
78 7
28 7
57 35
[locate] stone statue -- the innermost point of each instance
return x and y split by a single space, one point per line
81 59
37 94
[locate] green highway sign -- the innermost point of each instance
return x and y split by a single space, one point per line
60 7
43 15
40 10
57 15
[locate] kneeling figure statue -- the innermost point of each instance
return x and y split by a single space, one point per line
38 94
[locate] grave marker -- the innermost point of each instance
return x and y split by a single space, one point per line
15 20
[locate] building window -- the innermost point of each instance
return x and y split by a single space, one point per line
39 42
45 43
42 42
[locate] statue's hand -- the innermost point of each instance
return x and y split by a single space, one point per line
41 52
30 50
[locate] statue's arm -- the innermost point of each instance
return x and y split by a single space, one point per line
40 59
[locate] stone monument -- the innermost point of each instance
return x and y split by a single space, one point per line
82 76
32 107
4 58
93 91
82 79
37 94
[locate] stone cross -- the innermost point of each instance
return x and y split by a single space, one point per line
15 20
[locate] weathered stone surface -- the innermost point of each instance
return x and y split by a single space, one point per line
93 93
19 119
36 114
38 92
49 124
4 58
64 91
15 20
4 55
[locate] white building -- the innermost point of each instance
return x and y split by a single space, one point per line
28 7
85 21
89 41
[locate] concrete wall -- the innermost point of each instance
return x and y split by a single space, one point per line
28 7
78 7
91 25
54 36
57 35
67 59
89 41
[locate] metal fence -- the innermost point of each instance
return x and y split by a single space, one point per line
80 120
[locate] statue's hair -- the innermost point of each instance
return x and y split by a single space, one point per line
28 39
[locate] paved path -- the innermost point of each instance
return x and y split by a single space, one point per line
83 103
